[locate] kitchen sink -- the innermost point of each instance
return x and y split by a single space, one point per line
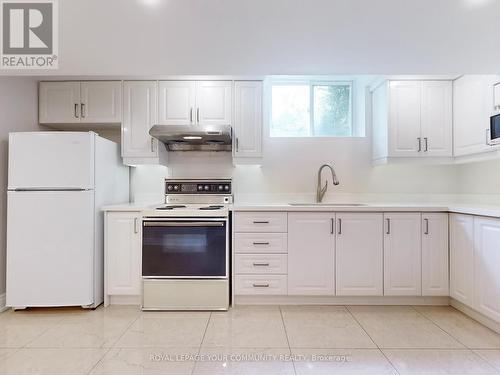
328 204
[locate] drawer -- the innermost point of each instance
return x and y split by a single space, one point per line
260 222
260 284
261 263
260 243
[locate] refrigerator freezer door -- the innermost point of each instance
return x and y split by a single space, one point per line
51 160
50 248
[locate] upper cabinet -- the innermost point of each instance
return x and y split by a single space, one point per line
247 119
139 115
177 102
473 105
59 102
496 96
195 102
412 119
214 102
92 102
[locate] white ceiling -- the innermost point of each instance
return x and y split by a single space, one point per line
258 37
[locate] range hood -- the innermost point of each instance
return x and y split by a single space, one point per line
193 137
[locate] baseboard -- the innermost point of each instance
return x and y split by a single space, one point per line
2 303
481 318
339 300
125 300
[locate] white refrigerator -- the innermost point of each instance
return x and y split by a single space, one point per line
58 181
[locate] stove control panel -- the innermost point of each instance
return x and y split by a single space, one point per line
198 187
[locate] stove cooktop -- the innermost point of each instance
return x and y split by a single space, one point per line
189 210
203 208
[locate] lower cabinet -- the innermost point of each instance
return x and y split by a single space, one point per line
359 254
487 266
122 253
342 253
402 254
311 246
435 262
462 258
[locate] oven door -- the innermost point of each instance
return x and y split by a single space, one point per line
185 248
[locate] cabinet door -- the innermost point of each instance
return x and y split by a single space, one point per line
402 255
177 102
496 96
437 118
405 118
139 115
435 254
486 267
462 258
311 247
359 254
213 102
471 117
59 102
248 119
123 253
101 102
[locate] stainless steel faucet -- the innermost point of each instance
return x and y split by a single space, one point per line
320 191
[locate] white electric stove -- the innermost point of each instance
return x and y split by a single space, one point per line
186 243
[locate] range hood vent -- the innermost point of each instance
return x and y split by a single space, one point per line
193 137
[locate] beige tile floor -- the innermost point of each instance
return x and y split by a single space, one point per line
248 340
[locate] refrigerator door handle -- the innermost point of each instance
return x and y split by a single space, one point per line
49 189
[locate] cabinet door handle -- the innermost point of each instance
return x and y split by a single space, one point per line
388 226
261 264
82 110
191 115
260 285
152 145
332 226
340 226
426 144
237 141
261 243
261 222
76 110
136 220
419 144
198 115
426 221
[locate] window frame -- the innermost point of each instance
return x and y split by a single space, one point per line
312 83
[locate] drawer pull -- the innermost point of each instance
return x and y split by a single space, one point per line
261 243
261 285
261 264
261 222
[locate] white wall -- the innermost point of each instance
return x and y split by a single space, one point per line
18 109
157 37
481 180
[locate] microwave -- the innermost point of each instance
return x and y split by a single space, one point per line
495 130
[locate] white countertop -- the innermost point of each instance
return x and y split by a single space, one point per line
464 208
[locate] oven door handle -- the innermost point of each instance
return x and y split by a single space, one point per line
183 224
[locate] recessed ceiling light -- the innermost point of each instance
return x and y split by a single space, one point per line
150 2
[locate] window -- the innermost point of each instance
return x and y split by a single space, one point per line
311 109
